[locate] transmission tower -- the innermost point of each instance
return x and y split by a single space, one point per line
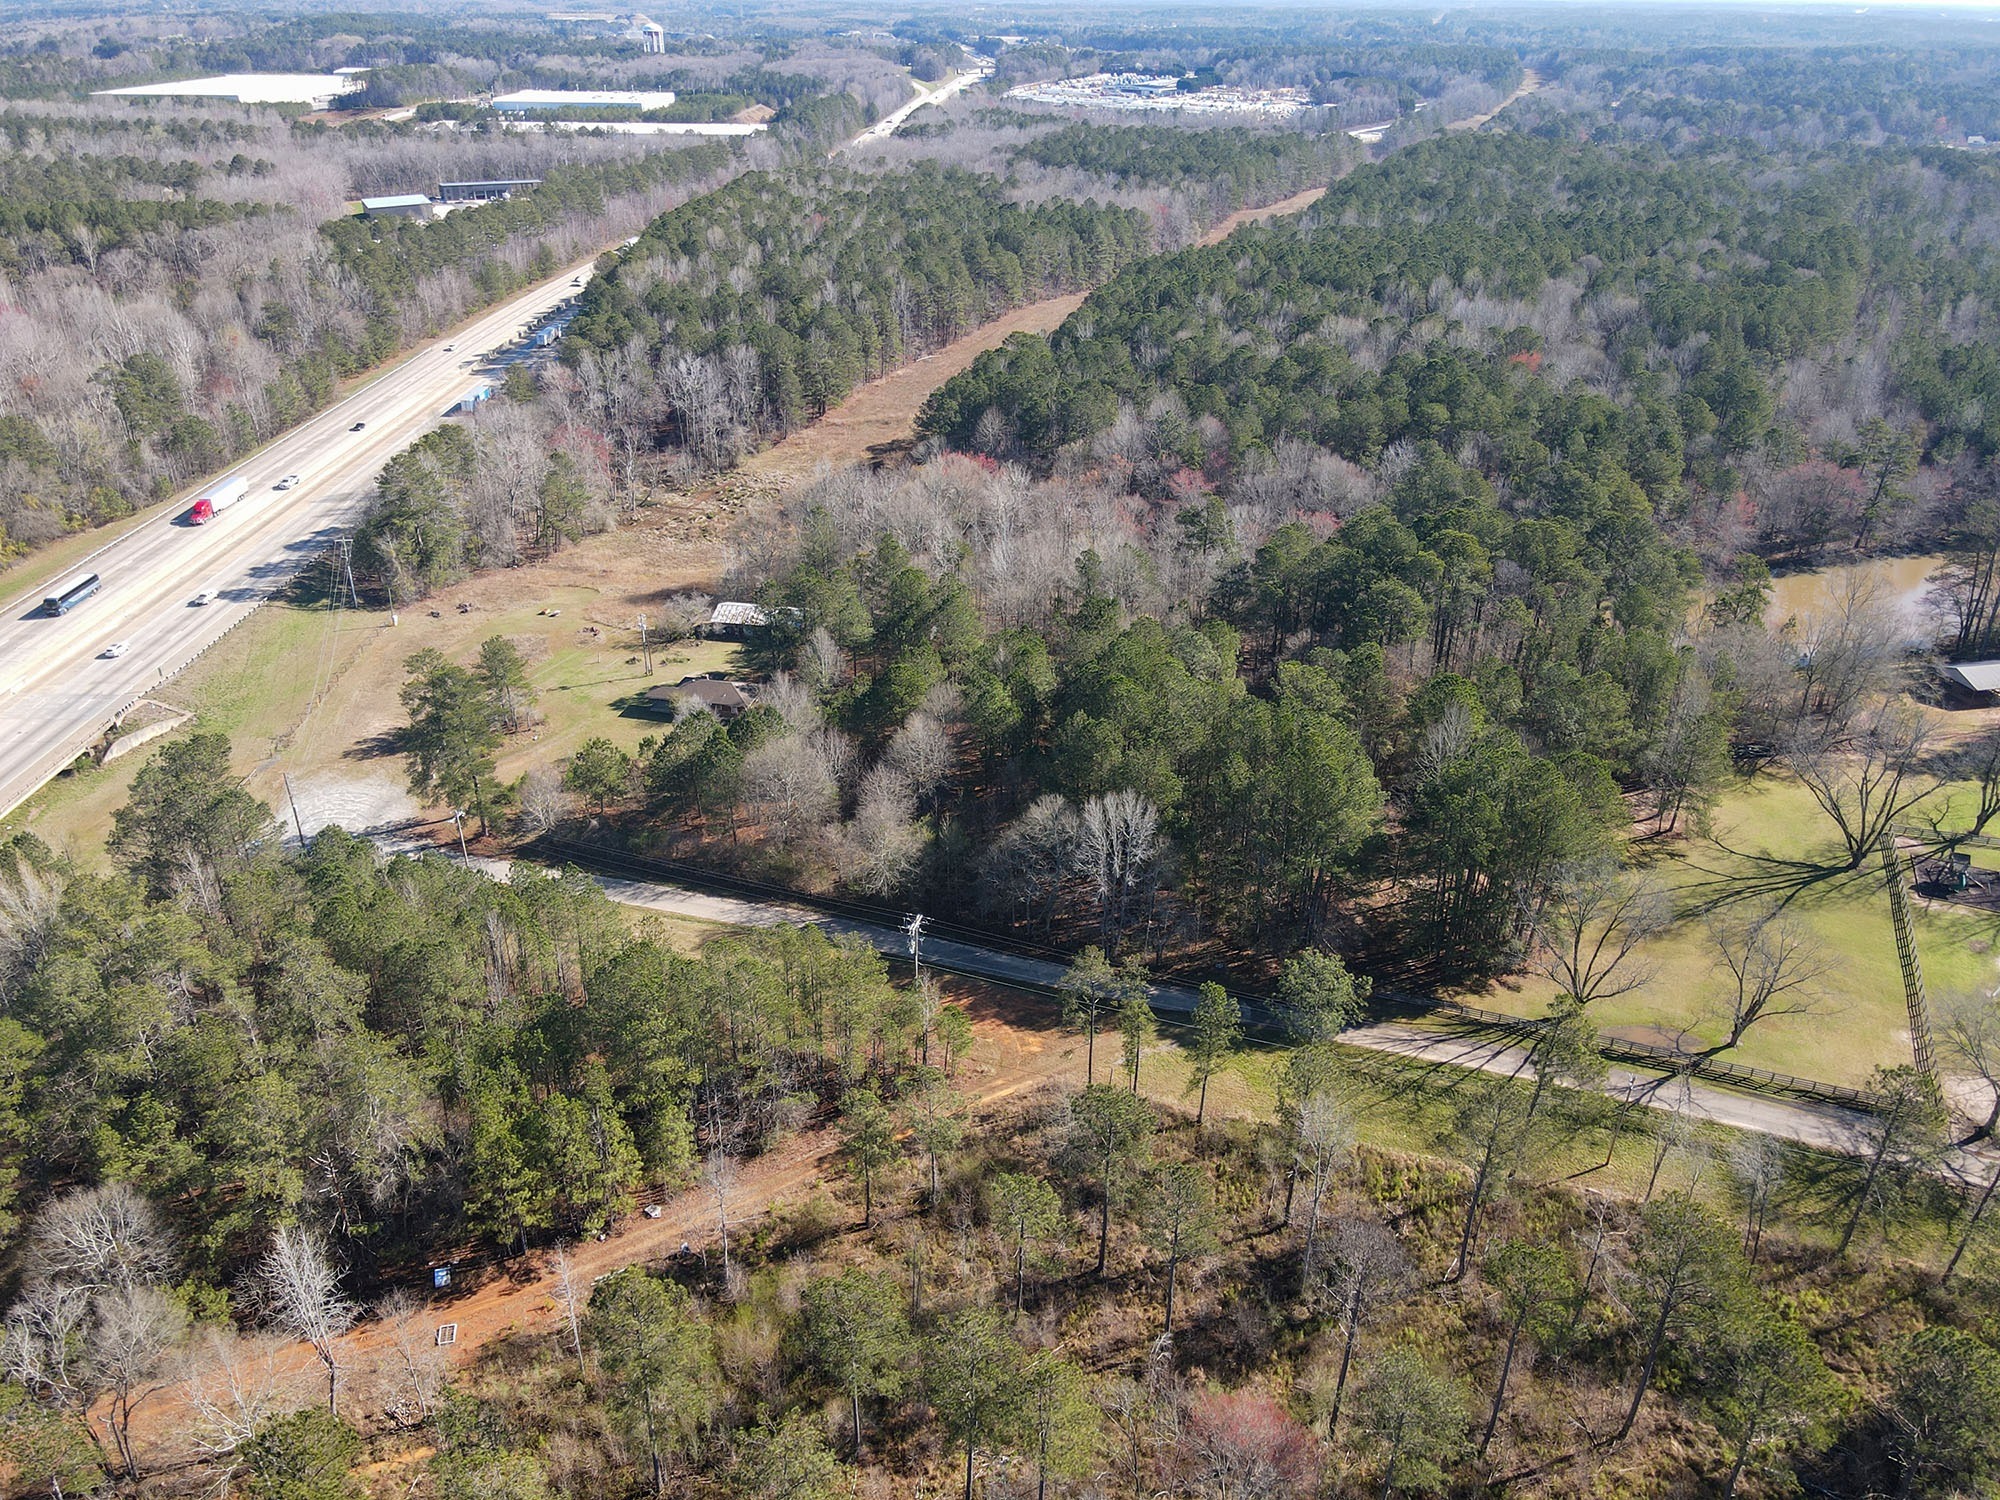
347 566
1906 955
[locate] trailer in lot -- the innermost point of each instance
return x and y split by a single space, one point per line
71 593
216 499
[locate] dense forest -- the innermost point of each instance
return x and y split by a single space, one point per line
1247 168
1701 330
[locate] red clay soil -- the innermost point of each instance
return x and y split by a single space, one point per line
1017 1048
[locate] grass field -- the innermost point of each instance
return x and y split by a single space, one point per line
313 692
1770 843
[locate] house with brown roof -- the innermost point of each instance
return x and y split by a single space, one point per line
716 692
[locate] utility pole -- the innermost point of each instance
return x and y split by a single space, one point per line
915 928
646 645
292 797
458 822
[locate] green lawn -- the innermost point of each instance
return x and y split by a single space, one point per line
1771 843
305 689
253 686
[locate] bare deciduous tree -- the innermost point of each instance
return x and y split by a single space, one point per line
1968 1032
923 753
1757 1169
791 784
232 1385
570 1295
1028 865
1118 838
718 1174
1367 1268
1848 652
99 1237
1322 1128
1774 969
882 841
545 802
134 1332
297 1284
1589 927
421 1367
1868 778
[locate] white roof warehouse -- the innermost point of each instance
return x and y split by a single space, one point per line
528 100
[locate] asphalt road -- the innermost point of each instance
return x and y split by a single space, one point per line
1826 1127
58 692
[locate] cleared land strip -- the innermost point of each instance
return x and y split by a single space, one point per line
881 414
1024 1054
1530 82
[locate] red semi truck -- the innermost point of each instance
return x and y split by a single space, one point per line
216 499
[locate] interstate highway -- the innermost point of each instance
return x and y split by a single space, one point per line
58 693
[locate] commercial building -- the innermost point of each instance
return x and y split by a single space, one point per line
542 101
484 192
317 89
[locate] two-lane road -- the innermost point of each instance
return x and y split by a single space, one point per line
58 692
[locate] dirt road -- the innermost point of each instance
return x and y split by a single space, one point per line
1014 1052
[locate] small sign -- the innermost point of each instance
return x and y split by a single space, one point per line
440 1277
447 1334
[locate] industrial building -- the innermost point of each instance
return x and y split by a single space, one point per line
484 192
317 89
538 101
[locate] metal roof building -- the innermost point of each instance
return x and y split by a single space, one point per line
524 101
318 89
1973 676
482 192
401 205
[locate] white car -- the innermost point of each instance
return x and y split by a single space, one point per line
206 596
116 649
287 482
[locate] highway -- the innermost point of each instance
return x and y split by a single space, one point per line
58 693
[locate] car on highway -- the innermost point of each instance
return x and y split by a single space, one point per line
286 483
206 596
115 650
449 347
577 281
357 427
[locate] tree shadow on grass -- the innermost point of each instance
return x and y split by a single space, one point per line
376 746
1766 879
